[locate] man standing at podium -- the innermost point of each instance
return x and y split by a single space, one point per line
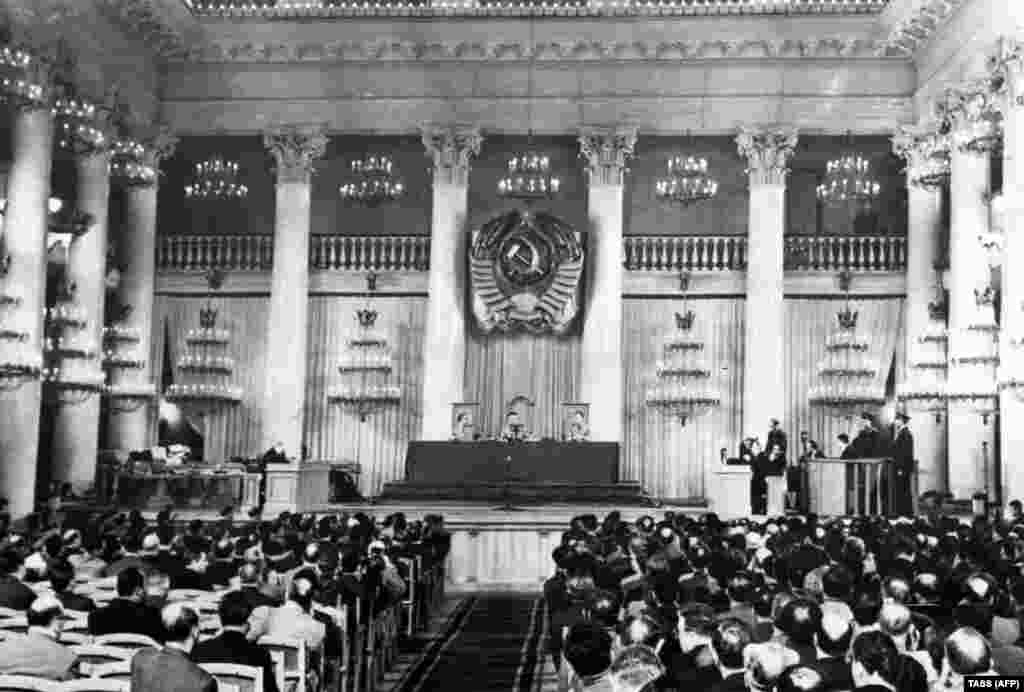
903 466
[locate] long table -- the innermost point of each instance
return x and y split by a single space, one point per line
194 489
496 462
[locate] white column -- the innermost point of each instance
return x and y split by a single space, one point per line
605 151
444 348
1011 347
24 245
971 436
128 427
295 149
921 149
767 152
76 426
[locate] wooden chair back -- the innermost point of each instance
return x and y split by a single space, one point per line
118 670
26 683
127 640
232 677
295 661
95 685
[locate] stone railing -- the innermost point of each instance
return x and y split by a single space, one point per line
685 253
640 253
326 252
288 9
853 253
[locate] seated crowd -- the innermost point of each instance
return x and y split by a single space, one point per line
793 603
297 578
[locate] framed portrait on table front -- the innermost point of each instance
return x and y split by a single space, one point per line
576 421
464 421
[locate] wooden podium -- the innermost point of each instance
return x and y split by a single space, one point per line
855 486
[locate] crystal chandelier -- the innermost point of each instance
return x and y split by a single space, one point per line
76 127
687 181
847 374
216 179
22 76
20 362
205 368
365 366
848 180
70 370
376 183
528 177
122 354
681 388
128 163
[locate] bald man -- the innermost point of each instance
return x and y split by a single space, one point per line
38 653
170 669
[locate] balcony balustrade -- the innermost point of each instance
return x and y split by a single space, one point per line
669 253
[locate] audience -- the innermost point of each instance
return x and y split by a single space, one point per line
38 653
231 645
792 603
128 612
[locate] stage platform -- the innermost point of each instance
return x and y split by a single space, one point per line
492 549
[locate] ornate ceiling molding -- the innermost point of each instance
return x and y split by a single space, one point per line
913 23
355 9
364 51
151 22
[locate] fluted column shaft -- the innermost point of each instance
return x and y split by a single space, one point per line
444 348
764 385
128 427
1011 347
605 151
76 426
24 242
920 148
971 436
295 150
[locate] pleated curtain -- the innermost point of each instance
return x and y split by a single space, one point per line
335 433
671 461
228 430
809 322
543 368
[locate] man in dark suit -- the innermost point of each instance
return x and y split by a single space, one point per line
764 465
232 646
868 443
903 466
128 612
14 593
61 574
170 669
728 640
833 640
776 436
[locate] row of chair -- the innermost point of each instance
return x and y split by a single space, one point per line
116 677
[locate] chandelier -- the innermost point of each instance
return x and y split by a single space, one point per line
681 388
847 374
205 368
70 373
122 354
216 179
22 76
76 126
528 177
128 163
933 169
687 181
847 180
376 183
20 362
365 366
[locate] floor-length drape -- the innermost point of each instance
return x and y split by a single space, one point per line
543 368
809 322
334 433
671 460
229 431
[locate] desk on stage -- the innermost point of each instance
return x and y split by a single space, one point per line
545 471
857 486
524 462
190 488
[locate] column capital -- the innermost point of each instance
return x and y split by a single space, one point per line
159 146
1007 66
606 150
925 149
767 151
295 149
451 147
972 111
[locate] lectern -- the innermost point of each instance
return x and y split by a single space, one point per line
857 486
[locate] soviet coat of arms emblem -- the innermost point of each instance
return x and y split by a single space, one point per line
525 269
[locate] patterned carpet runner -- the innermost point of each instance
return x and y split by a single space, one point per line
491 643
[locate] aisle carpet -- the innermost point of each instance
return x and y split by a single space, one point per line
491 643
